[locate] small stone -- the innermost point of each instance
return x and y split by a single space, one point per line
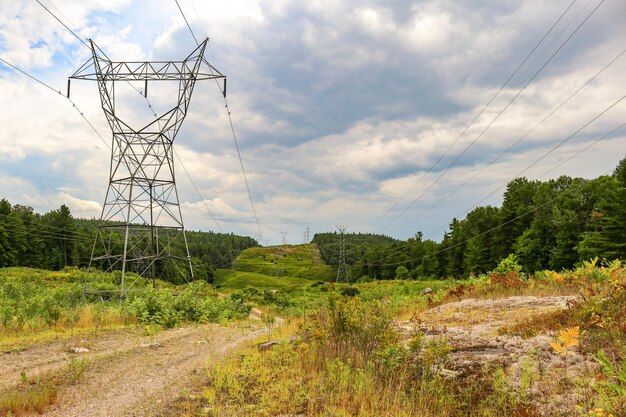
78 350
448 373
427 291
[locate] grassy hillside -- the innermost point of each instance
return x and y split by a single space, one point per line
297 261
290 279
228 278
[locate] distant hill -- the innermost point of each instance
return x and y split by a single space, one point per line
298 261
283 267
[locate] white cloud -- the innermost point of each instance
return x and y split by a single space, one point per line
336 106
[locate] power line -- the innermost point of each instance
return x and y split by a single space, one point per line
32 77
200 21
488 231
87 46
567 139
185 18
520 139
243 170
556 37
42 225
64 25
403 247
620 127
540 176
463 81
501 111
484 108
476 118
232 128
527 133
43 233
198 192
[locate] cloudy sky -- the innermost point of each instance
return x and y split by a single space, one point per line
361 113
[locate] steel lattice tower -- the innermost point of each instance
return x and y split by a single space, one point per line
141 228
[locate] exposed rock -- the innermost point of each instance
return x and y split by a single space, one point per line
78 350
427 291
448 373
471 328
267 345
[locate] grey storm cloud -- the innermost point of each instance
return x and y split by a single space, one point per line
340 108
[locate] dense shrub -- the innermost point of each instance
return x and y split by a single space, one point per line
197 302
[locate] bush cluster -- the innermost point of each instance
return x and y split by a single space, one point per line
197 302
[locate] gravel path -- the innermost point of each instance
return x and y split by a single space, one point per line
128 374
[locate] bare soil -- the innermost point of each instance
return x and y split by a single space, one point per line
472 328
128 373
131 374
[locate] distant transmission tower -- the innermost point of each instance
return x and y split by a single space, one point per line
342 270
141 227
284 235
307 235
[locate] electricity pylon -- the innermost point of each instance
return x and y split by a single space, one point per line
284 236
342 269
141 228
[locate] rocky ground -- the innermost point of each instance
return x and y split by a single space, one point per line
132 374
472 328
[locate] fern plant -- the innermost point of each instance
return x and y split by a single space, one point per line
566 340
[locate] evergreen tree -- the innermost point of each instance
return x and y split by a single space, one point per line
514 216
605 235
61 250
8 252
480 252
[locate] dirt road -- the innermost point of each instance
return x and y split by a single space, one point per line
127 373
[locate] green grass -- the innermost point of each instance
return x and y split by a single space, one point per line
349 359
38 305
298 261
292 279
237 280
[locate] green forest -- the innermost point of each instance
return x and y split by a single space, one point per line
554 224
56 239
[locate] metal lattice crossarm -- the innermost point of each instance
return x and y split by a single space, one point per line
147 70
142 229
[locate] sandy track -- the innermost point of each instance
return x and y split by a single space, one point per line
54 355
129 374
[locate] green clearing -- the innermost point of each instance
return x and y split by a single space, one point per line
237 280
293 279
297 261
347 358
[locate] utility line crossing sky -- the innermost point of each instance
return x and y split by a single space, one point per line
389 117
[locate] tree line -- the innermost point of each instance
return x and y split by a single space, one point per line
56 239
552 224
